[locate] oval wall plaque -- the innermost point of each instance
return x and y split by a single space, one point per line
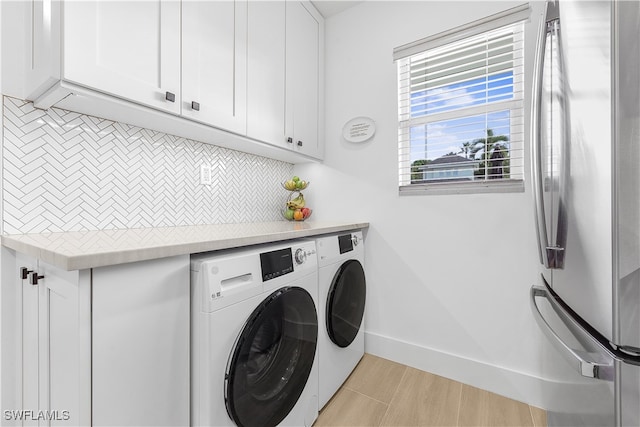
359 129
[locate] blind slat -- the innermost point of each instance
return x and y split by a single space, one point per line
466 51
507 17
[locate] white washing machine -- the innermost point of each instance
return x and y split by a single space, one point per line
342 294
254 336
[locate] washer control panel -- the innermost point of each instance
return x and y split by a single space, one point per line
276 263
228 276
286 260
300 256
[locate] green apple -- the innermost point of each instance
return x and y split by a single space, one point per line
295 178
289 214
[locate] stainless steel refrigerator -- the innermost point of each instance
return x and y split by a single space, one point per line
585 144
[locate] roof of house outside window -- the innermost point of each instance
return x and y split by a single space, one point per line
450 158
450 161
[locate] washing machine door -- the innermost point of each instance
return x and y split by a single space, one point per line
345 303
272 358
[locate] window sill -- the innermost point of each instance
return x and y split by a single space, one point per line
507 186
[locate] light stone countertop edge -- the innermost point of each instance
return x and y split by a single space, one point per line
91 249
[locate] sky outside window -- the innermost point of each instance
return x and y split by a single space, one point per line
436 139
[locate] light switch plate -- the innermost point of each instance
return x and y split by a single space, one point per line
205 174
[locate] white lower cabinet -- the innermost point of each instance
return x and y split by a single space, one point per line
140 340
105 346
55 345
28 334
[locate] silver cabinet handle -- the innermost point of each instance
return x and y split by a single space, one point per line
171 97
290 140
600 369
299 143
536 154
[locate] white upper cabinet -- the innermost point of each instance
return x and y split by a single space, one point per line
266 72
130 49
303 61
284 75
214 63
227 72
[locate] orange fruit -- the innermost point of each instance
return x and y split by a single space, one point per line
297 215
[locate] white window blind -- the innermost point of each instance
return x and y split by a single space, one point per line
460 109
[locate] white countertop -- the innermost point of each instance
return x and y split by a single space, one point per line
78 250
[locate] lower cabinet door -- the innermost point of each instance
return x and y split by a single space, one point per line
54 346
28 326
140 337
64 346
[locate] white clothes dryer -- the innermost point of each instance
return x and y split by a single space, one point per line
342 292
254 336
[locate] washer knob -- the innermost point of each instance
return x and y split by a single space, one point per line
355 240
300 256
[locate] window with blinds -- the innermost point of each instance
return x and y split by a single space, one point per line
460 107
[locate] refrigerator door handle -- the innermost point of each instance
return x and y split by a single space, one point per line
536 154
602 369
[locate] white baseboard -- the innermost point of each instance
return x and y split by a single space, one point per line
515 385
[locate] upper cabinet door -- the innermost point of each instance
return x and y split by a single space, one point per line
303 77
214 63
266 72
130 49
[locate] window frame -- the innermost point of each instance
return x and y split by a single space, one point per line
506 18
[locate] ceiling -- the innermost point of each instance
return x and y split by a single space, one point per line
332 7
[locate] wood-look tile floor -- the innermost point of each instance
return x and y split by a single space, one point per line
380 392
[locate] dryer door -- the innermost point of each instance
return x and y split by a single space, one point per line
345 303
272 358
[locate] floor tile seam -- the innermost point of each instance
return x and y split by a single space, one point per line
459 405
394 395
395 392
533 421
384 416
365 395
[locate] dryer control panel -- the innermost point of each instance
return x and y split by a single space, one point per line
337 247
345 243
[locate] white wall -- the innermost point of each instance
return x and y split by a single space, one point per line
449 275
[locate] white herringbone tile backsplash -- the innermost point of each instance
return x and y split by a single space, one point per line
65 171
